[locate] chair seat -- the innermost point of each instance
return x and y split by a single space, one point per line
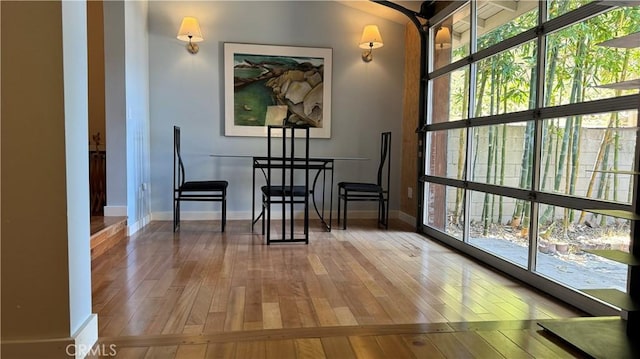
203 186
298 191
361 187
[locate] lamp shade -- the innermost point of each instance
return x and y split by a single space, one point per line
443 38
371 38
190 28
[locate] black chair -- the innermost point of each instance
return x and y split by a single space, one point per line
207 191
283 191
359 191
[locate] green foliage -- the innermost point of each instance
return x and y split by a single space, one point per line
576 66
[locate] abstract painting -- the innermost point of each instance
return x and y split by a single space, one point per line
276 85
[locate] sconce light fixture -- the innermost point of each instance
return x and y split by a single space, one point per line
190 31
443 38
370 40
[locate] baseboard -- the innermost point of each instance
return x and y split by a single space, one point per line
133 228
246 215
76 347
365 214
115 211
199 216
86 337
406 218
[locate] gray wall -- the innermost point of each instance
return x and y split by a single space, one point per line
187 90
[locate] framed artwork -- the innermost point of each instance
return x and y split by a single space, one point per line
275 85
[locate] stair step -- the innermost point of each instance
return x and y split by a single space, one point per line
108 237
600 337
614 297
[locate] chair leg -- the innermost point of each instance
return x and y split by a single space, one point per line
176 214
386 220
382 211
268 213
385 212
224 210
264 214
266 218
344 222
306 222
339 197
379 210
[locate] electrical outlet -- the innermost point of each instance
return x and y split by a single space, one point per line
410 192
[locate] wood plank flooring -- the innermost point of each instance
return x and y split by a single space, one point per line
98 223
361 293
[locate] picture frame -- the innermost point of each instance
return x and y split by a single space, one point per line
269 84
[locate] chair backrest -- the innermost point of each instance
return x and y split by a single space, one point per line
285 157
178 166
385 158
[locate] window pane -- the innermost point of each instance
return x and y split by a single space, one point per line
444 209
503 154
499 225
590 156
564 234
500 21
450 96
579 69
506 81
446 153
556 8
451 38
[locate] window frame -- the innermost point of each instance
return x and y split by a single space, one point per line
538 115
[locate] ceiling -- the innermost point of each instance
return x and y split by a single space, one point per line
490 13
384 11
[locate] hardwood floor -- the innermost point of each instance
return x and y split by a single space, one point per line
362 292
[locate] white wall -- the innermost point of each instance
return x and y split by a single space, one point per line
137 112
74 26
187 90
127 110
114 67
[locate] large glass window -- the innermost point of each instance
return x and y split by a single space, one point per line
530 153
502 154
500 21
582 67
565 237
495 226
561 7
447 153
450 100
444 211
451 38
506 81
590 155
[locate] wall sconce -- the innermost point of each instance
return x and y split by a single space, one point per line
443 38
190 31
370 40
